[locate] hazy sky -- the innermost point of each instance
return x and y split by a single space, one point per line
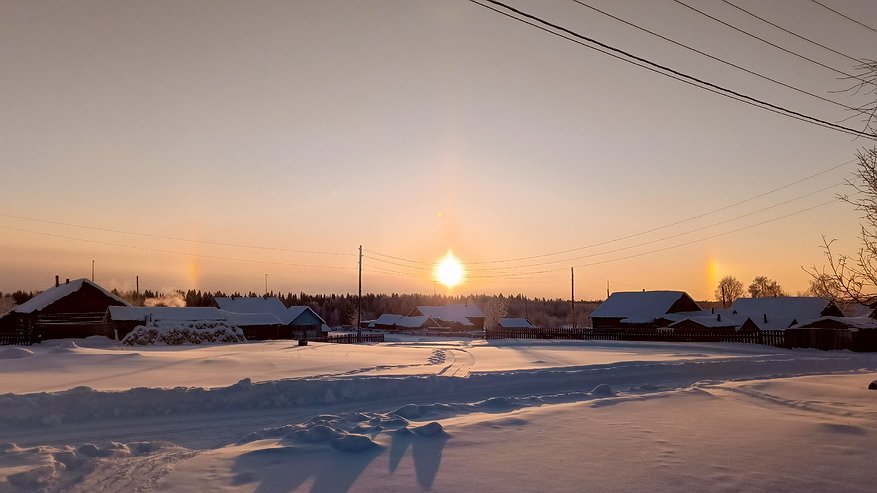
152 136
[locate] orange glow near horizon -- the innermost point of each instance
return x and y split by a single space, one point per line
450 271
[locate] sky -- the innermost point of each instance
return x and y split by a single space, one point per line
222 145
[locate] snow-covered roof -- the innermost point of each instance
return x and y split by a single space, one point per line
459 313
243 304
249 319
516 323
272 305
856 310
141 313
712 320
851 322
638 306
294 312
189 313
799 308
775 323
385 319
53 294
411 322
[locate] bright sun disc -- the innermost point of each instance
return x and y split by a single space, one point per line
449 271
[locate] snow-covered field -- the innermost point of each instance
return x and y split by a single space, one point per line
435 415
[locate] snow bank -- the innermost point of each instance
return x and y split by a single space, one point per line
183 332
496 389
15 353
46 468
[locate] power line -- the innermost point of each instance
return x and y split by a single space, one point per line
174 238
659 250
700 240
640 233
172 252
669 72
720 60
786 50
665 238
792 33
826 7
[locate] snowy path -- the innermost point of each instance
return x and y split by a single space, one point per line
427 420
187 415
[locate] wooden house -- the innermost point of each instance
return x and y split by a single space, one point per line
781 312
301 321
642 309
74 309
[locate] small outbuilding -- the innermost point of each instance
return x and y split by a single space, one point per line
516 323
462 316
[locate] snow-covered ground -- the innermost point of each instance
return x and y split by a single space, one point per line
417 414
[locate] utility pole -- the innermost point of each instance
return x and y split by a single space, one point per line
137 290
607 289
572 296
92 271
266 285
359 296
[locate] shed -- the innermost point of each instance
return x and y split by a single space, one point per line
516 323
465 316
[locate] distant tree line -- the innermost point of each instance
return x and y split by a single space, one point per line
340 309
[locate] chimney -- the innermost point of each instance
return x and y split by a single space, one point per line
765 318
67 281
719 317
714 310
57 281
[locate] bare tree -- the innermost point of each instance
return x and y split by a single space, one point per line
866 84
854 277
764 287
494 309
825 286
728 290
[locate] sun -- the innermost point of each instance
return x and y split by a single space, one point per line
449 271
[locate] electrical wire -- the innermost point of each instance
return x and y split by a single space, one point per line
826 7
781 28
172 252
174 238
637 234
671 247
719 235
665 238
786 50
720 60
669 72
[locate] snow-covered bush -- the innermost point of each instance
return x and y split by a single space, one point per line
184 332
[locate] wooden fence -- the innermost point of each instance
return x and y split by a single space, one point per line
352 338
16 339
774 338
